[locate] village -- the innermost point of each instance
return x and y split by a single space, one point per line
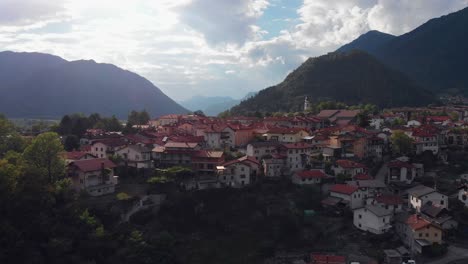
402 174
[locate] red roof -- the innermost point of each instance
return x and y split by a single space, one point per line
389 199
343 188
399 164
311 174
349 164
75 155
327 259
362 177
416 222
92 164
245 159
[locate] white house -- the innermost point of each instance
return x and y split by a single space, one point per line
308 177
238 173
105 148
95 176
421 195
372 218
400 171
297 155
262 149
348 194
136 156
463 194
348 167
274 167
368 188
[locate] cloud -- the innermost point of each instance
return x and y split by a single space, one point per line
26 12
224 22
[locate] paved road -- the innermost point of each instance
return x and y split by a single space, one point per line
454 255
382 173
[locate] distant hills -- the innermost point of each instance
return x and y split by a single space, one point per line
434 54
35 85
353 78
213 105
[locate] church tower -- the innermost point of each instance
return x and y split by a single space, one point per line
306 103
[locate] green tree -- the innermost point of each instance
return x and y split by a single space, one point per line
43 154
401 143
9 138
199 113
72 142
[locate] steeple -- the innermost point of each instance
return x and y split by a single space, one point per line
306 103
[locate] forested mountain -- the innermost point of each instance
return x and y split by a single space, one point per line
41 85
433 54
352 78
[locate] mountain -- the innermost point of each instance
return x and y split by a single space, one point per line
434 54
209 105
35 85
214 105
369 42
353 78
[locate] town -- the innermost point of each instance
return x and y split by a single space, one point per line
397 174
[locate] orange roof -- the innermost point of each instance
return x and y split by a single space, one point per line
92 164
349 164
416 222
343 188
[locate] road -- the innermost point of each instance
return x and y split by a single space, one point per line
454 255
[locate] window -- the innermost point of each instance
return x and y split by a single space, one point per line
464 197
96 149
420 234
242 176
435 234
360 216
360 225
427 234
442 202
102 149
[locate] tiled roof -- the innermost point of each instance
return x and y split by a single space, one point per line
399 164
362 177
343 188
92 164
349 164
75 155
244 160
284 130
416 222
389 199
311 174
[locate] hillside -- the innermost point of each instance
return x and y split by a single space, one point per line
433 54
36 85
352 78
213 105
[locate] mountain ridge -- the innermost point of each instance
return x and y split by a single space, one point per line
39 85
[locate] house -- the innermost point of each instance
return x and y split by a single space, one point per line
439 216
285 135
349 195
400 172
421 195
348 167
309 177
175 154
297 155
463 194
238 173
274 166
204 162
368 188
95 176
259 150
373 219
105 148
77 155
388 201
136 156
425 139
417 233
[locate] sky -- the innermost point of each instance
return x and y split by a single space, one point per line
205 47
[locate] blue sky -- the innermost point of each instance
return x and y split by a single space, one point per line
205 47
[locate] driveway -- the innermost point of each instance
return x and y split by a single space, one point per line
454 255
